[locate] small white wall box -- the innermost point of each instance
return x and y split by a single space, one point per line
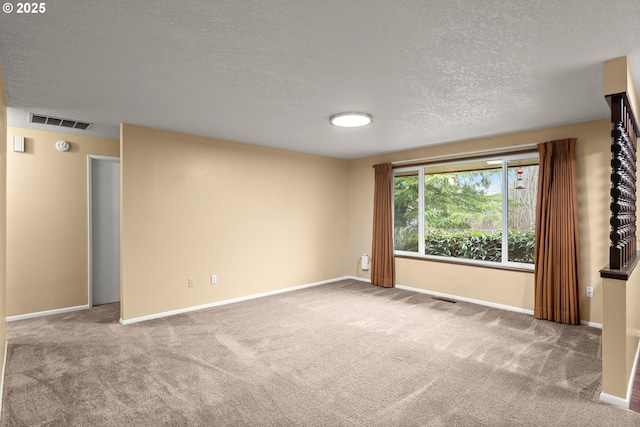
364 262
18 144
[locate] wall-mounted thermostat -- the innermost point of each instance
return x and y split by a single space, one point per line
62 145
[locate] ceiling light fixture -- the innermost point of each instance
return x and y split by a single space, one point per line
351 119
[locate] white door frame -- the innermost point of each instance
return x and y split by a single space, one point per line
91 157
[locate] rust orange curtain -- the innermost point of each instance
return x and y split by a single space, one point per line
557 266
382 262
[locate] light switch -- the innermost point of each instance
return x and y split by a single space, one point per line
18 144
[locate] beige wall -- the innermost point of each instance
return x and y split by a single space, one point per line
632 326
47 220
632 321
3 205
497 286
261 219
614 342
618 79
621 305
621 333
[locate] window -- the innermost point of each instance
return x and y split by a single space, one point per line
480 210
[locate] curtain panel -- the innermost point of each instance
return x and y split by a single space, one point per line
557 260
382 261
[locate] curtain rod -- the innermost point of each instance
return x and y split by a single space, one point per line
502 150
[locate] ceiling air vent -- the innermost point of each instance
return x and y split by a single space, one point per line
57 121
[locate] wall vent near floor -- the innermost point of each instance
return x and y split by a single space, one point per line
445 300
57 121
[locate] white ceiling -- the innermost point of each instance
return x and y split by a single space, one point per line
271 72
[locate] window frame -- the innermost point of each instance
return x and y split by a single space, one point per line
504 165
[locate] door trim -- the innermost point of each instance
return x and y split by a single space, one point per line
91 157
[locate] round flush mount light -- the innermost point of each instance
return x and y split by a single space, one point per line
352 119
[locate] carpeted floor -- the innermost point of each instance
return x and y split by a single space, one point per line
343 354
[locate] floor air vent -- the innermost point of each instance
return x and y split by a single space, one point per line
56 121
445 300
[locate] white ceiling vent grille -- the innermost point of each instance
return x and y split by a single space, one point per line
57 121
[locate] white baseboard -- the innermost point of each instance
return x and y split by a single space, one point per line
225 302
471 300
619 401
485 303
614 400
4 370
47 313
591 324
632 377
201 307
360 279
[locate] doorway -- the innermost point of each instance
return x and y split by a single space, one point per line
104 229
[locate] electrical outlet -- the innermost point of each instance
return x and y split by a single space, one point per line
589 292
191 282
214 279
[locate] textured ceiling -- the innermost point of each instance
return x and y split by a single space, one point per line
271 72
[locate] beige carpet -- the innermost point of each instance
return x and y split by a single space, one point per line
343 354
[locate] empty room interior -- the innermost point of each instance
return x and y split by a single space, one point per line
319 213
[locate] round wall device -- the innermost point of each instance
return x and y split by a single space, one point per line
62 145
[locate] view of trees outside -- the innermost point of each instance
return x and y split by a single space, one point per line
406 212
463 214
